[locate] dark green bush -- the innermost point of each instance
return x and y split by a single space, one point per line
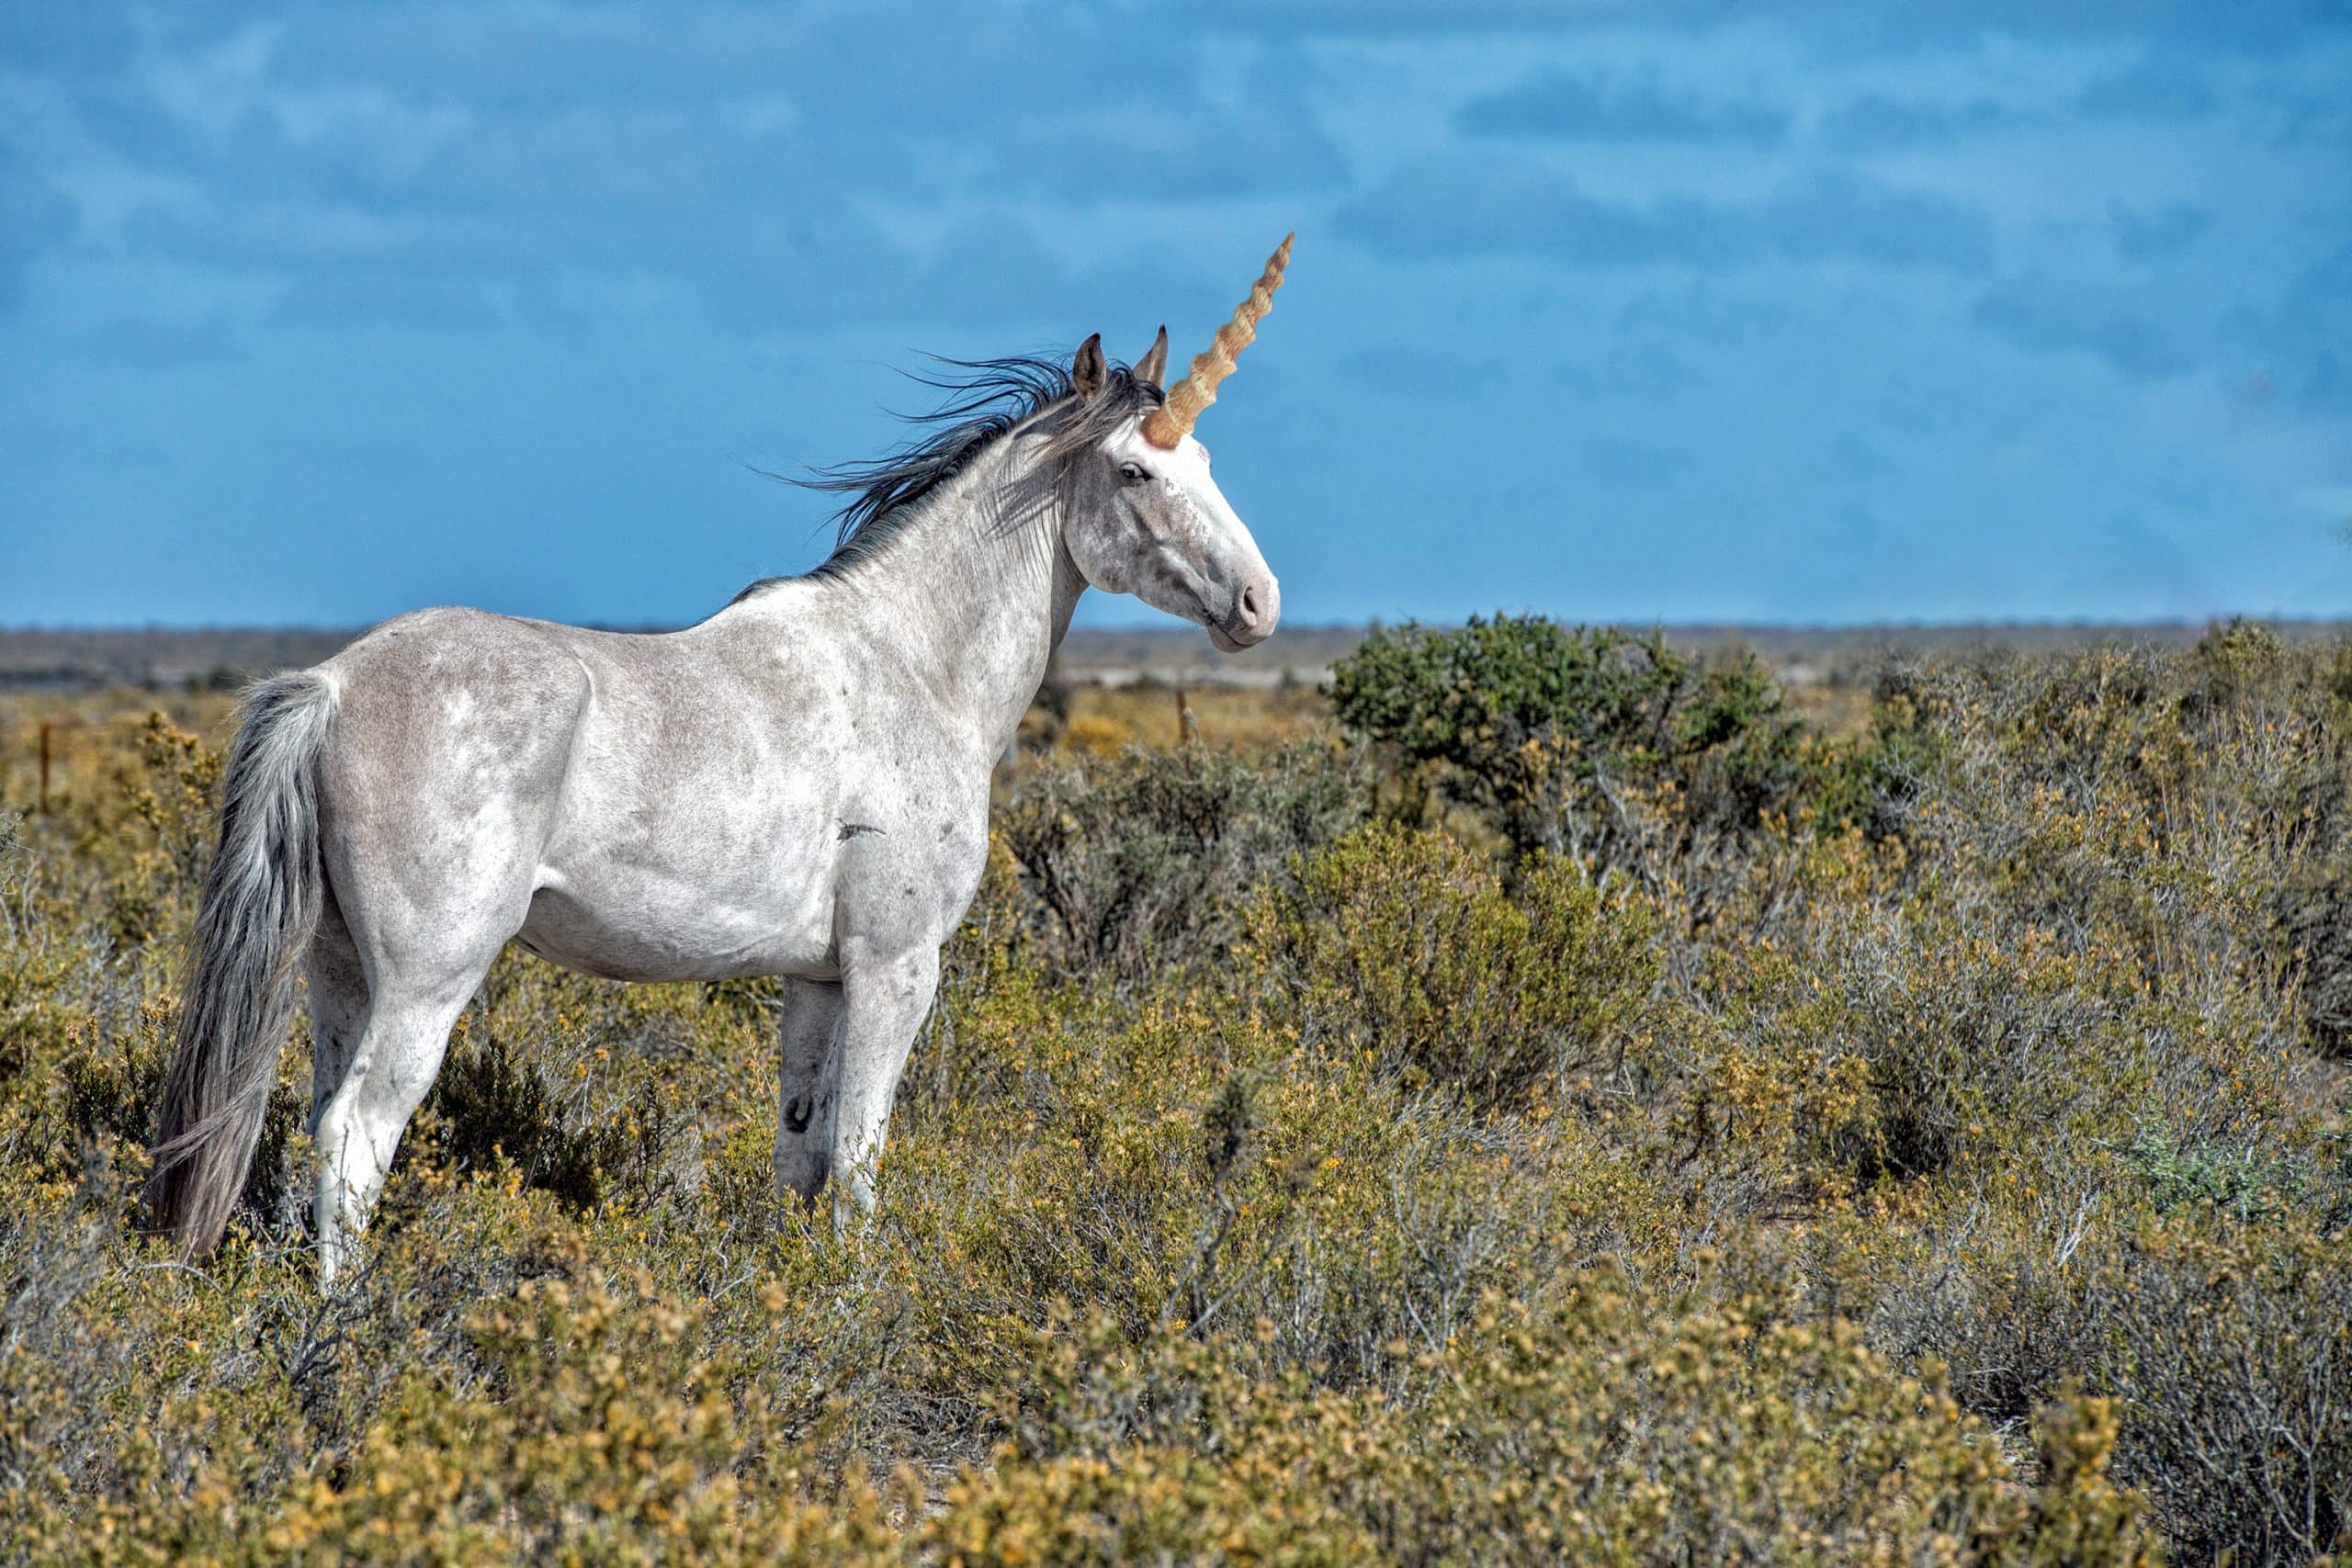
1541 725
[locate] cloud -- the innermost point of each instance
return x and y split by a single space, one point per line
1698 310
440 303
2160 87
35 215
1877 122
1265 144
77 38
1464 208
1623 461
2304 334
2049 317
1412 372
1636 370
991 268
2304 116
2158 232
440 165
151 343
1460 208
1832 27
887 64
1555 105
1852 217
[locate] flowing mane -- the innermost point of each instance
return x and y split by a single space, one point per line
985 400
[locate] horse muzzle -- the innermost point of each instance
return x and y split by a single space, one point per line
1251 620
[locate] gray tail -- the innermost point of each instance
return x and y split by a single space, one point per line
260 904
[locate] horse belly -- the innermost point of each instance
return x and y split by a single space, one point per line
657 932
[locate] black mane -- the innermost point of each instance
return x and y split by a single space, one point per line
986 399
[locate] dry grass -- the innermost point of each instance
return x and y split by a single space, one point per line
1922 1142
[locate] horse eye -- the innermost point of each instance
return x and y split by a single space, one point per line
1133 473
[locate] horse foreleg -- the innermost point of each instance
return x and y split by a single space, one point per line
884 1001
809 1077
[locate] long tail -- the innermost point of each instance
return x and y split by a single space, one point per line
260 904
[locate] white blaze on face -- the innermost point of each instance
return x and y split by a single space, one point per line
1211 570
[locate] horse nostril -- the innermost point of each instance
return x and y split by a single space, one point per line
1250 603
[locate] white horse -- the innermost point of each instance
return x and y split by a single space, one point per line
797 786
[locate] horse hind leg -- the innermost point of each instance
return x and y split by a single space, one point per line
337 983
400 1049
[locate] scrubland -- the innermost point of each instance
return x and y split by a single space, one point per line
1542 1099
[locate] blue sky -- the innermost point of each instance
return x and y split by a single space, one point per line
1944 310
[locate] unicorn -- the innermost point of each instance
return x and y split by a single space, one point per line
796 787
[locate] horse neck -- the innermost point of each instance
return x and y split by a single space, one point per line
973 593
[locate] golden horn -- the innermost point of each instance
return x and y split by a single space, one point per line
1172 421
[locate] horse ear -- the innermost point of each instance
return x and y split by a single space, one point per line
1153 366
1086 372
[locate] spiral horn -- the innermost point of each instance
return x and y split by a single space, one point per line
1172 421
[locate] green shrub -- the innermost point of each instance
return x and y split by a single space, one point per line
2224 1345
2241 1182
1140 864
1541 725
1882 1047
2232 1347
1402 947
1599 1426
2312 914
563 1128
